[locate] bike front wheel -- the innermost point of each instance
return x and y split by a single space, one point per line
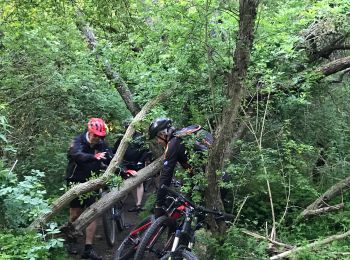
128 247
157 240
180 254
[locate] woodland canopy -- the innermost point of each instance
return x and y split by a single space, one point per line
269 79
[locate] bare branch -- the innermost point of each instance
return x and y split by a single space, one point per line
323 210
116 194
332 192
311 246
112 75
268 239
334 66
341 76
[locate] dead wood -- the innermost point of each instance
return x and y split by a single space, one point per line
323 200
311 246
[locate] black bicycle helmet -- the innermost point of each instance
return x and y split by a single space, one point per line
158 125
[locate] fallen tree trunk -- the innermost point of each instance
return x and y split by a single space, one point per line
91 185
332 192
335 66
312 245
323 210
116 194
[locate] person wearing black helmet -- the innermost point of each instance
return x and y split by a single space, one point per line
163 131
136 156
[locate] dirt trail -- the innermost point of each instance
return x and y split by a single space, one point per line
100 244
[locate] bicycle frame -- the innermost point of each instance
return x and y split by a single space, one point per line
185 234
186 231
145 226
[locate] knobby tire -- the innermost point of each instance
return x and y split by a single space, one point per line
180 254
162 232
129 245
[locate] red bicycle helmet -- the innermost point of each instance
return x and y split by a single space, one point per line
97 126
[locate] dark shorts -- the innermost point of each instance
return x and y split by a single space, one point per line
83 201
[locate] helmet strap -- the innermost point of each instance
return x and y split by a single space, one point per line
165 140
88 137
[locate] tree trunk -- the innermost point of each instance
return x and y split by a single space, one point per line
335 66
224 132
116 194
312 245
332 192
113 76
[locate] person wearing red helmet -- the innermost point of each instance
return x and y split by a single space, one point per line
87 154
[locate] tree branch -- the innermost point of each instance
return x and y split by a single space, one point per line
268 239
320 211
116 194
334 66
312 245
332 192
112 75
341 76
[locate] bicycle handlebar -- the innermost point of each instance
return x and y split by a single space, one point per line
219 214
175 193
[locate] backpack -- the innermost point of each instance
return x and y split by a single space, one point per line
202 138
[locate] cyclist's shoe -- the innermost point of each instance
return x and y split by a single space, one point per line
137 209
90 253
72 248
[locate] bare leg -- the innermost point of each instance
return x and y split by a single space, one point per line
90 232
74 213
139 194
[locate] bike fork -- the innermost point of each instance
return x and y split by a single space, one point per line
176 240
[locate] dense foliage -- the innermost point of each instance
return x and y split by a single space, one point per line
297 120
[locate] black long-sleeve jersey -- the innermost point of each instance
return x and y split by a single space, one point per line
174 152
81 160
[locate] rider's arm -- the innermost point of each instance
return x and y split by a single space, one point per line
169 163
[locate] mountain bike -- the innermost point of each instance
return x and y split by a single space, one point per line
172 237
128 247
113 221
130 244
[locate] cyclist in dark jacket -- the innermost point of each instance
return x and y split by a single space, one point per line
175 151
136 156
87 154
84 158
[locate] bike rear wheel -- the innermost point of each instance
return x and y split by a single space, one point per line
128 247
179 255
120 216
157 240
